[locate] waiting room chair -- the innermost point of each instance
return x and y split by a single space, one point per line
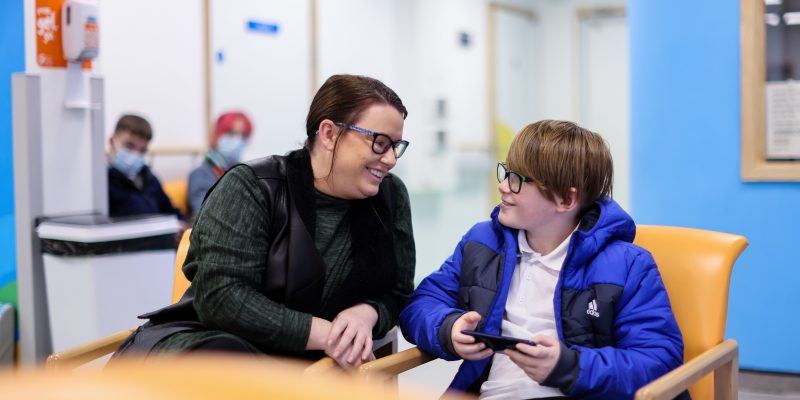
178 193
91 351
77 356
696 268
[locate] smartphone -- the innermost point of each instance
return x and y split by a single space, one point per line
496 342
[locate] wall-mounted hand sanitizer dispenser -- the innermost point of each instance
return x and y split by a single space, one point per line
80 34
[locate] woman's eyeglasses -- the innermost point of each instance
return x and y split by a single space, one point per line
514 178
381 143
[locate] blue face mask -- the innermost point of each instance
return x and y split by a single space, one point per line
128 162
231 147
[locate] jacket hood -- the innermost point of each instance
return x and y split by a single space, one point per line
604 222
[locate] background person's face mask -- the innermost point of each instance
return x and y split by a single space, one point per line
128 162
231 146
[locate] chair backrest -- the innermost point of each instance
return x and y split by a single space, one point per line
179 281
178 193
696 268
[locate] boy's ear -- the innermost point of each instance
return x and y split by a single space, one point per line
570 203
327 133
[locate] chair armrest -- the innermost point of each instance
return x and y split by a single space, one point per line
388 341
322 366
381 347
82 354
722 359
394 364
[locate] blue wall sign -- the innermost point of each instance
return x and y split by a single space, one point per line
262 27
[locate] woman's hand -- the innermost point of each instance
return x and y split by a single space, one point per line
350 339
465 345
318 337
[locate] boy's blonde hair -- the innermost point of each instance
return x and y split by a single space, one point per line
558 155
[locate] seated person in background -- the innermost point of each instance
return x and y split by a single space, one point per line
555 265
132 188
230 136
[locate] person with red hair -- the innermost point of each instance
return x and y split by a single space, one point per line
231 133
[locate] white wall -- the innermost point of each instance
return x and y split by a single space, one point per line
153 64
559 24
434 67
604 91
585 77
266 75
358 37
517 59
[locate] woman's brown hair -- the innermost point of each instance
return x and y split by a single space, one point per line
559 155
342 99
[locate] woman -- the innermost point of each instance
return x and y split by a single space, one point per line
230 136
304 253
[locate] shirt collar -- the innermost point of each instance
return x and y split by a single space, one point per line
554 260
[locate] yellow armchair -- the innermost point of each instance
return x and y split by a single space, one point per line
696 268
88 352
178 193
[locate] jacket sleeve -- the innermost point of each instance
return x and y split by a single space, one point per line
429 316
201 180
648 341
390 303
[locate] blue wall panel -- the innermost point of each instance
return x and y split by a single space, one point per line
12 59
685 143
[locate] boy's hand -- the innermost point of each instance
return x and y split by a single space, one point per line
536 361
350 339
465 345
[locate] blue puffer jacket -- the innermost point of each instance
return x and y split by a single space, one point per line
629 339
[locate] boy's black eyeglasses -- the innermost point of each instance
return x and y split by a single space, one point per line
381 143
514 178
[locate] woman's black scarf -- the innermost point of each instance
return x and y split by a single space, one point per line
374 269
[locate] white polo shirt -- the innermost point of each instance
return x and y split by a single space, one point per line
529 312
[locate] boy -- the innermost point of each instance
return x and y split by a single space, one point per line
132 188
554 265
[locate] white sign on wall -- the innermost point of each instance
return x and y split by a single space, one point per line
783 120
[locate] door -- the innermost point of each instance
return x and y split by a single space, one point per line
261 64
515 77
604 100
